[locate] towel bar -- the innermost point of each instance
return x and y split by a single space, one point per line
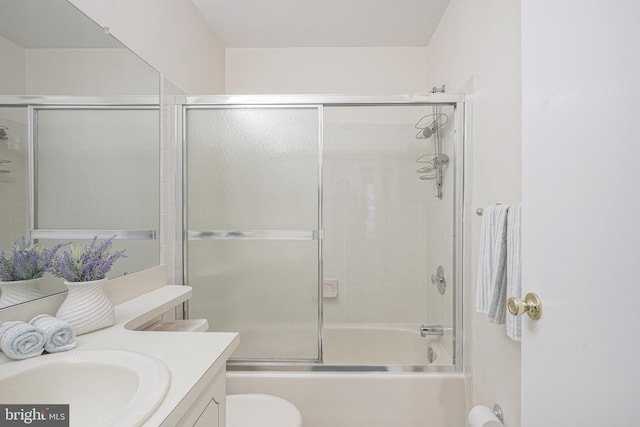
480 211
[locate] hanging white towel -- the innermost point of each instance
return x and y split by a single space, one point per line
58 334
514 268
491 286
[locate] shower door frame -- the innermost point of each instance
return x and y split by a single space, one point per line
460 132
256 234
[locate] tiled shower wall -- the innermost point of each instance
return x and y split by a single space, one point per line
385 231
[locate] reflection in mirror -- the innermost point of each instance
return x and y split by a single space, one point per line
97 169
13 178
14 193
48 47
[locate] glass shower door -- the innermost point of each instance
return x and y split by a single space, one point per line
252 220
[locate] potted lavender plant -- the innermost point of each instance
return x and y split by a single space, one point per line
84 269
22 270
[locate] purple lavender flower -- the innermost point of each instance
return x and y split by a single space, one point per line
26 260
86 263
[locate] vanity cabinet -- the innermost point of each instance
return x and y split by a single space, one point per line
210 415
208 410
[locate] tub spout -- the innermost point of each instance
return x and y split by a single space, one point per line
426 330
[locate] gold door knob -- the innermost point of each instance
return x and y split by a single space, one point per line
531 305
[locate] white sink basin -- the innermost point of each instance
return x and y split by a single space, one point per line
102 387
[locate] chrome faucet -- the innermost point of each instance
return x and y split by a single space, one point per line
426 330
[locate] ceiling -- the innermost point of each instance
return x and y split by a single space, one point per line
322 23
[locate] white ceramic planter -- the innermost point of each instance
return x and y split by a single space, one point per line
20 291
87 308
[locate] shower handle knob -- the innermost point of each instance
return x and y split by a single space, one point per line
530 305
439 280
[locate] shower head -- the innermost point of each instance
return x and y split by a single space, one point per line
429 124
426 133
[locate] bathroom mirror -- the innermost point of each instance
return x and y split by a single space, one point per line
85 161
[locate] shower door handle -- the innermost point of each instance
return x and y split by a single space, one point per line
254 235
60 234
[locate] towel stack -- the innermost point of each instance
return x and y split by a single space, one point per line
21 340
500 265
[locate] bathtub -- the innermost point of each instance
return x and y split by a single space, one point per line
358 397
363 399
384 345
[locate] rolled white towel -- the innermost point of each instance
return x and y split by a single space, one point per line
20 340
58 334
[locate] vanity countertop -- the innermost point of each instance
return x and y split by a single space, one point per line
193 358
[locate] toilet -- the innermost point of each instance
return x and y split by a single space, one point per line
261 410
243 410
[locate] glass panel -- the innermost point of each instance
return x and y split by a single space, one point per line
385 234
266 290
99 169
255 169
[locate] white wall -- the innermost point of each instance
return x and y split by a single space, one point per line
171 35
88 72
170 194
74 72
13 72
476 49
326 70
